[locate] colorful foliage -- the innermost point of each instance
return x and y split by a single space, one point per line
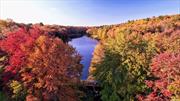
137 60
125 71
12 45
52 70
166 68
39 66
124 67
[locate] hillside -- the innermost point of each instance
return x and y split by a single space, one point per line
138 60
148 25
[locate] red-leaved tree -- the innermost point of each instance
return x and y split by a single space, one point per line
12 45
166 69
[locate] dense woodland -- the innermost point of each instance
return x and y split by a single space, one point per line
63 32
138 60
134 61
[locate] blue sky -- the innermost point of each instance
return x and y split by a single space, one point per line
85 12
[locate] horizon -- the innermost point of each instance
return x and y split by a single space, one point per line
94 13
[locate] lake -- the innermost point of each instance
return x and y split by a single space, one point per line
85 47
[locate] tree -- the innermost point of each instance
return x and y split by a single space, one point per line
39 67
124 67
166 68
3 63
52 70
12 45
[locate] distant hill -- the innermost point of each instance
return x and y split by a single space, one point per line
152 25
148 25
63 32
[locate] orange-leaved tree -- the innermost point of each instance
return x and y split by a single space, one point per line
52 70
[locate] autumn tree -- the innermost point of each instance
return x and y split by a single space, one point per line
52 70
98 54
12 45
39 66
128 50
165 86
124 67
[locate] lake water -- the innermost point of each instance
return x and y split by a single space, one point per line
85 46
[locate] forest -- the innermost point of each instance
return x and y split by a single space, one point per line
138 60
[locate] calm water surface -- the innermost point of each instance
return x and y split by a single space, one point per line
85 46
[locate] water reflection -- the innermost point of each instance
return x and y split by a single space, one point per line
85 46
